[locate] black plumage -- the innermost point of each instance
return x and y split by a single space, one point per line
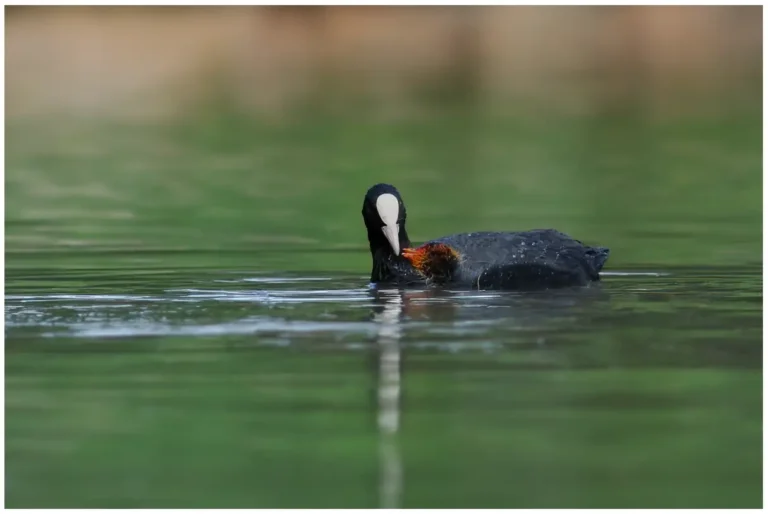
533 259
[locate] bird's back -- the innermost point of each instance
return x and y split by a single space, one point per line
518 260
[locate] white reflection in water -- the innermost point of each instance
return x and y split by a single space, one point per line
389 333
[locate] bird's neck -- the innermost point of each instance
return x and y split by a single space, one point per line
384 259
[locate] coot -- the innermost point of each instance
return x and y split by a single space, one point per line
535 259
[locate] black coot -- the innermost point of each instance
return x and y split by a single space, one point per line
479 260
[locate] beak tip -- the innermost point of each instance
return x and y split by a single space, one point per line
391 233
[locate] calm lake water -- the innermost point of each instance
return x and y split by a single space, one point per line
188 321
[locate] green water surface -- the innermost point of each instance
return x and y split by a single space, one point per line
188 320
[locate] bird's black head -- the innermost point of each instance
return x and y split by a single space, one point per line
384 216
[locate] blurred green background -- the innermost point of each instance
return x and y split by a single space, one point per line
156 150
234 128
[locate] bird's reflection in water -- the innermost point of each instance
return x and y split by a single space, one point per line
388 388
391 306
394 309
528 309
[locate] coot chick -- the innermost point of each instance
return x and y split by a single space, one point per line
535 259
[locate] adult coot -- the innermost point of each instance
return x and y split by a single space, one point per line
480 260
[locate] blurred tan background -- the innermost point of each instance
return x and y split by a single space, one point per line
149 62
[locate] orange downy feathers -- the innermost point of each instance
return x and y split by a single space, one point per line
433 260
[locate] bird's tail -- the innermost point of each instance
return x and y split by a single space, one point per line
598 256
